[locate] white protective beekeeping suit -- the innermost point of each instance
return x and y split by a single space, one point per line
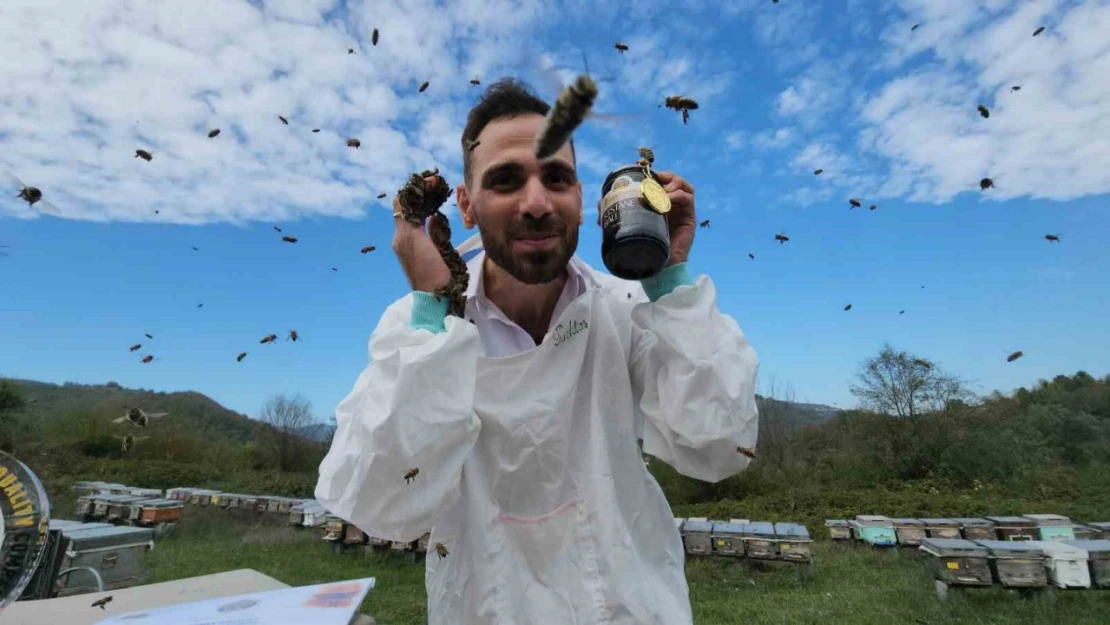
529 467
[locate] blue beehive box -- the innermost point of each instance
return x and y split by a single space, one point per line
1052 527
876 530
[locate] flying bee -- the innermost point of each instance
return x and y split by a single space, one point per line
29 194
212 133
269 338
147 359
138 417
986 183
149 336
818 172
751 256
781 238
984 111
1014 356
570 110
901 312
100 603
1015 88
441 550
873 207
620 47
1052 238
647 154
423 86
334 269
915 27
283 120
241 356
704 224
277 229
475 81
848 307
195 248
471 144
200 305
381 196
855 203
315 130
136 347
411 474
350 50
289 239
681 104
293 336
129 441
1038 31
745 451
143 154
374 37
354 143
367 249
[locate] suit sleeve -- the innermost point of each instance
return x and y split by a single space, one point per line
411 409
693 376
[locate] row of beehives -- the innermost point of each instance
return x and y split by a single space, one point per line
120 504
1022 564
738 538
887 532
342 534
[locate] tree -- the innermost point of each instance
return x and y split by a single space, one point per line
898 383
287 418
11 402
776 422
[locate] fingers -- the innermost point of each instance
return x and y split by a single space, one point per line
671 182
680 199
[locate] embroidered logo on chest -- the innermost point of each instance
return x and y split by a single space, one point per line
565 332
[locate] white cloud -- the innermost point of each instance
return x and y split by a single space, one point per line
773 139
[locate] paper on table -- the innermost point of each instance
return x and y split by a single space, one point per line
325 604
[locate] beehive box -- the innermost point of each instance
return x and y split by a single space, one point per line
1103 528
1067 565
296 514
160 511
379 542
115 552
398 546
1098 555
794 542
121 510
728 539
974 528
273 504
102 503
838 529
697 537
85 505
908 532
958 562
1016 564
314 515
201 497
1014 527
760 541
874 529
248 502
1084 532
87 488
941 528
353 535
1052 526
149 493
334 528
285 504
678 525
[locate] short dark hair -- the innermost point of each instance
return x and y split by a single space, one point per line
505 99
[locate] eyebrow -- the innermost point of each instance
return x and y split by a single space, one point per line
513 167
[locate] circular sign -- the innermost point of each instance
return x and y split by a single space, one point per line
26 519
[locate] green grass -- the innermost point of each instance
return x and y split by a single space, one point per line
845 584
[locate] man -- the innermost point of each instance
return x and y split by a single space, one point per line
514 430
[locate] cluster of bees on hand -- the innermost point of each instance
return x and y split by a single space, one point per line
140 419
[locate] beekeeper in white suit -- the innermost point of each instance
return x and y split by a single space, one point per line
522 418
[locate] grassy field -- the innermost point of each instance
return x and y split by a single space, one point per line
845 584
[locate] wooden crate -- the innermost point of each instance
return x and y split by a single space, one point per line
1016 564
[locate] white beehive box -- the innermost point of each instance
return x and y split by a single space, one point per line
1066 565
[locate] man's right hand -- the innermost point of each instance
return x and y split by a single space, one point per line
420 260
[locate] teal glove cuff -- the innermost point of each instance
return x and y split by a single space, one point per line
428 313
666 281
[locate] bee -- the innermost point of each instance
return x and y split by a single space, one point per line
241 356
149 336
423 86
751 256
129 442
293 336
1014 356
354 143
195 248
984 111
647 155
374 37
315 130
289 239
411 474
100 603
269 338
143 154
200 305
915 27
901 312
570 110
471 144
350 50
441 550
1015 88
682 104
855 203
704 224
986 183
334 269
1038 31
620 47
873 207
277 229
283 120
745 451
29 194
136 347
367 249
818 172
381 196
1052 238
212 133
781 238
848 307
138 418
147 359
475 81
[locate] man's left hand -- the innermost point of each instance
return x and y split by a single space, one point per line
681 220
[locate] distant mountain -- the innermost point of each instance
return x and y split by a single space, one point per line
317 432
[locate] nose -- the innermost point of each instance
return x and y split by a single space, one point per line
535 202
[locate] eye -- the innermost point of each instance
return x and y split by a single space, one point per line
558 179
503 181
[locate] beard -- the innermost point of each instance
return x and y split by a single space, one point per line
533 266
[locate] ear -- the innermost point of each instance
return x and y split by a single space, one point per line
466 209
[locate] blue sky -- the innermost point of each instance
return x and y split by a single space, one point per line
887 112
